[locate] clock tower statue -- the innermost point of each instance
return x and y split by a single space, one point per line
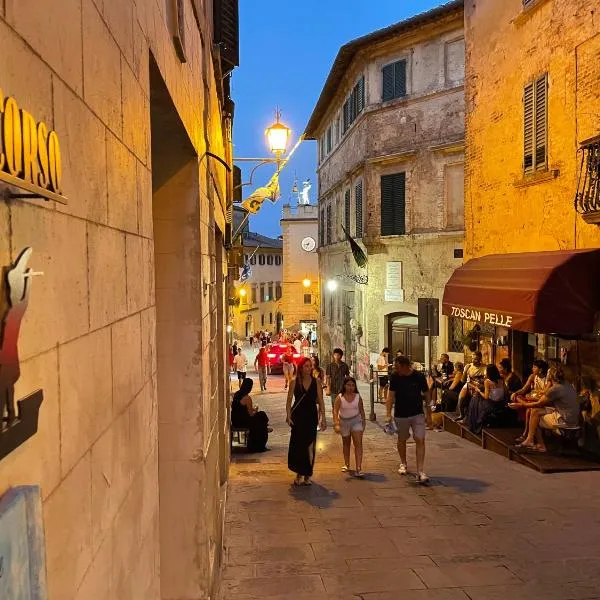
301 286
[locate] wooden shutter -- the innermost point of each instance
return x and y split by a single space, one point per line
226 32
393 204
322 228
541 128
400 79
360 95
388 82
347 211
346 115
528 114
359 209
328 224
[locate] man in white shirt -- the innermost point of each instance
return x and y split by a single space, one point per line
298 345
240 364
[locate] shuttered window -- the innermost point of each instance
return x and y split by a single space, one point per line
354 105
394 80
322 228
535 126
346 115
328 240
328 141
393 189
358 199
347 211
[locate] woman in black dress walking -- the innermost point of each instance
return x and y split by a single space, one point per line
307 411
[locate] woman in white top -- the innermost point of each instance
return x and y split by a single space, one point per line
350 421
383 364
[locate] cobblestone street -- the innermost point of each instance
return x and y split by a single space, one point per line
484 529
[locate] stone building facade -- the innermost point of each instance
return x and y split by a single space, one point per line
390 130
300 302
124 332
260 305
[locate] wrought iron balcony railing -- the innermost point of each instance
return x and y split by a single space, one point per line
587 198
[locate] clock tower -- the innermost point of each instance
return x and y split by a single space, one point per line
300 301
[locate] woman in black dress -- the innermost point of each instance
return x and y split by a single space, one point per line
246 416
307 411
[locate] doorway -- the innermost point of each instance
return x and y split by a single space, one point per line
402 334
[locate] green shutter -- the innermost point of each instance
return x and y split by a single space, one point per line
347 211
388 82
359 209
400 79
360 95
393 204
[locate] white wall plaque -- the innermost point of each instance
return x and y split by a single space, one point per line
396 295
393 275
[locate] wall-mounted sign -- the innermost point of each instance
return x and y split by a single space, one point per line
473 314
396 295
16 426
30 155
393 274
22 563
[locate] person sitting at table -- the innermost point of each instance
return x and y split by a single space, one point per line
450 394
512 382
246 416
536 385
473 373
555 407
488 396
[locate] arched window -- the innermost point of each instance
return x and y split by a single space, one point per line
261 259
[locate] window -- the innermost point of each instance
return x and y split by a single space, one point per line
245 258
262 292
358 199
253 295
455 196
455 334
331 306
328 140
278 260
270 296
393 204
270 318
394 80
322 228
277 291
347 211
253 259
261 259
269 259
262 319
321 148
535 130
454 59
338 130
307 298
328 240
354 105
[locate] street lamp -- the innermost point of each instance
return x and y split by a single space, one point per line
332 285
278 135
242 292
306 282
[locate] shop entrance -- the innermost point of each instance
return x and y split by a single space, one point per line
402 334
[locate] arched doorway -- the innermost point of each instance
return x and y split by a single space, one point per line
402 334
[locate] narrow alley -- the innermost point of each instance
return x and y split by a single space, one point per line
484 529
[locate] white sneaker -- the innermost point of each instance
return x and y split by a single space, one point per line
345 469
422 478
402 470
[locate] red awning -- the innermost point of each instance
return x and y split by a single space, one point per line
538 292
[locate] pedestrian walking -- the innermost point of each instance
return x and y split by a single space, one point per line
349 421
337 371
261 362
407 390
383 365
303 416
240 362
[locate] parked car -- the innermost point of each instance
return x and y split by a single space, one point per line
275 352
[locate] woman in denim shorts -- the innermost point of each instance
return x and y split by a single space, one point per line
350 421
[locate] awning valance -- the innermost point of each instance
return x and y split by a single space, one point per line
538 292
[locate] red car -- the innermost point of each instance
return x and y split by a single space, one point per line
276 351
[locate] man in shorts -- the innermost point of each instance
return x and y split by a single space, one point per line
336 373
406 393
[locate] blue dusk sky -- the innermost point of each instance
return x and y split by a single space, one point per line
287 48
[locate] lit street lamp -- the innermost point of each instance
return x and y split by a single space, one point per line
307 282
278 135
332 285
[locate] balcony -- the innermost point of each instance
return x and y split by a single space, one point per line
587 198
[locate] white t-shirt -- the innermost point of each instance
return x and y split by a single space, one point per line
240 362
298 346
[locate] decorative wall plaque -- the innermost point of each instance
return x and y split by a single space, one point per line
17 423
22 560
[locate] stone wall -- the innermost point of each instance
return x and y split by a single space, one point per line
89 335
507 47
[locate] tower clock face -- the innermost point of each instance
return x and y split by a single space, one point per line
308 244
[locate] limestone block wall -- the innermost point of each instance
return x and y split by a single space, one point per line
507 47
88 338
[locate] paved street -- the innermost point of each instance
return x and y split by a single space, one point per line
485 529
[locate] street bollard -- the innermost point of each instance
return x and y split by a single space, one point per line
372 416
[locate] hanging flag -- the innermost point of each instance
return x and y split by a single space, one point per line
246 273
360 258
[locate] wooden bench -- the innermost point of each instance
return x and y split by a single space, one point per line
238 435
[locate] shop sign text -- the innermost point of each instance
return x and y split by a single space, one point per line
30 156
471 314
